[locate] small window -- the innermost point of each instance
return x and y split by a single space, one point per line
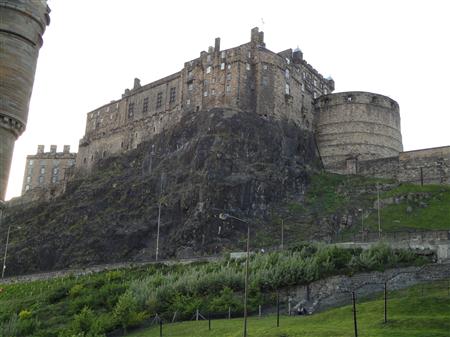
265 66
205 93
288 61
247 66
31 162
223 54
287 89
188 102
304 75
208 69
228 88
208 58
173 93
107 109
54 179
41 180
145 105
325 91
190 86
315 94
229 66
349 98
55 170
27 187
222 66
42 170
159 100
28 179
130 110
213 92
315 82
228 77
249 54
189 74
286 74
303 87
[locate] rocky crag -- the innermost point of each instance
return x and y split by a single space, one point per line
212 161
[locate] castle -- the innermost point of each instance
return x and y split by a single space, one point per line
356 132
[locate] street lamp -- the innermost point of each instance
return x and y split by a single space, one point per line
379 218
225 216
2 207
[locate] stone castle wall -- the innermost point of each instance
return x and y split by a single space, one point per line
356 126
427 166
248 77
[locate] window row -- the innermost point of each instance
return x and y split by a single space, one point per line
159 102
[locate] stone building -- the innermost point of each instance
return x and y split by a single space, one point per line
46 170
249 78
22 25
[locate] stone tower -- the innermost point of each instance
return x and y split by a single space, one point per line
22 25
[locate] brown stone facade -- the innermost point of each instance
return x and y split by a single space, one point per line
47 170
248 78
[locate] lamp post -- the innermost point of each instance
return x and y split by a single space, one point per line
379 218
2 207
225 216
362 223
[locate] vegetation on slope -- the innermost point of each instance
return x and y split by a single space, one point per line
410 314
92 305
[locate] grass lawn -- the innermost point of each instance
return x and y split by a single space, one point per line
409 314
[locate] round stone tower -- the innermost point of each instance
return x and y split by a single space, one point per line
22 25
354 126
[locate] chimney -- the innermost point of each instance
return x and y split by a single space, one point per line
257 37
137 83
297 56
217 45
66 148
53 149
40 149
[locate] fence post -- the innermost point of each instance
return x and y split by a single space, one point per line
259 310
196 315
289 306
160 328
209 321
385 302
448 288
354 314
229 312
278 310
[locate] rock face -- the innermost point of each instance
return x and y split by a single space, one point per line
212 161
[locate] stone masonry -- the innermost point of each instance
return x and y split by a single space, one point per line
22 24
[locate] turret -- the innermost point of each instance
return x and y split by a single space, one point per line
22 25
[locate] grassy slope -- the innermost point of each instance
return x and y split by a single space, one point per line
410 315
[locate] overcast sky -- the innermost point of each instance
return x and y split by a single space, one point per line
93 49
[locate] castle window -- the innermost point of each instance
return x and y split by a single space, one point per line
208 70
223 54
287 89
229 66
304 75
222 66
286 74
265 66
205 82
189 74
288 61
349 98
27 187
213 92
84 161
159 100
188 102
247 66
145 105
205 93
30 171
315 82
31 162
41 180
325 91
303 87
228 77
228 88
249 55
190 86
107 109
315 94
173 93
54 179
130 110
28 179
42 170
208 58
55 170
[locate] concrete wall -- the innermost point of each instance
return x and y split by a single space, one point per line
356 126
